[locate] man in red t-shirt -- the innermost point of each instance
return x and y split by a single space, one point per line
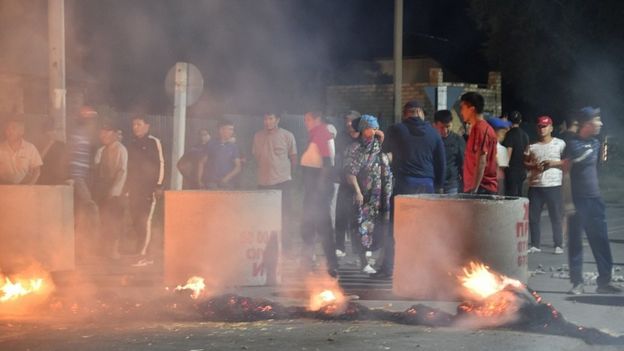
316 166
480 155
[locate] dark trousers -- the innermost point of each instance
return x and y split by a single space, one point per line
285 187
589 216
552 197
316 217
514 180
344 214
403 186
87 220
112 223
142 211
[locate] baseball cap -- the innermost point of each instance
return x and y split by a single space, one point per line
544 121
411 104
587 113
498 123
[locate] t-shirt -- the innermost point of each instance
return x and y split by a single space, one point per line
551 151
15 165
272 149
502 159
583 155
111 169
518 140
319 147
482 140
221 160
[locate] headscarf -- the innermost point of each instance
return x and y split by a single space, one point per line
367 121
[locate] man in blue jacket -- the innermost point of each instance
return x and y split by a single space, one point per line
418 165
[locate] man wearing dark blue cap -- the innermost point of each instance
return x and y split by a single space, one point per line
582 154
418 164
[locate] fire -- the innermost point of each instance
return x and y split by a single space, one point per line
482 283
14 290
195 284
325 294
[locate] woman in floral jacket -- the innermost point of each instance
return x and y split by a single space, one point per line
367 170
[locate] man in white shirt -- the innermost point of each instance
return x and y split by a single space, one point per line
20 161
545 179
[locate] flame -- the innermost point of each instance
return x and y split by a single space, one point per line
195 284
482 283
14 290
325 294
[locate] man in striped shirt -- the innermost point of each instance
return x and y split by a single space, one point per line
146 174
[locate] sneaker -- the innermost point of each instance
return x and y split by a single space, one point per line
381 274
368 254
608 289
558 250
143 262
369 270
577 289
333 273
533 249
340 253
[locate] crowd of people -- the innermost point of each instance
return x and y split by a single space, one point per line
348 177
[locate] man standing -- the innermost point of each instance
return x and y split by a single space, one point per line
582 154
516 141
480 158
221 163
111 169
20 162
275 151
545 184
454 146
418 165
146 174
316 166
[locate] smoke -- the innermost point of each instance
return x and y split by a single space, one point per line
253 55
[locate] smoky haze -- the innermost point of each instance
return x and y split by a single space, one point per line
254 55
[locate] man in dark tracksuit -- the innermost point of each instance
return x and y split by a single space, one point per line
146 173
582 155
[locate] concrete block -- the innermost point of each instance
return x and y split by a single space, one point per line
437 235
36 226
230 238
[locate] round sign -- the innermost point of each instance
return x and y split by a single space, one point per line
194 82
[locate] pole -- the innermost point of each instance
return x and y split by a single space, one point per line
398 58
57 108
179 121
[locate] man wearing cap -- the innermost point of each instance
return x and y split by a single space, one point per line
581 157
111 169
545 184
480 158
418 165
516 141
501 127
20 162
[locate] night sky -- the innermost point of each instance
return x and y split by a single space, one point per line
246 47
269 54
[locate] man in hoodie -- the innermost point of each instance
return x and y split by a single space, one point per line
418 164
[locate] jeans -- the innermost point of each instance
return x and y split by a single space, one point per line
344 214
316 217
552 197
589 216
514 179
403 186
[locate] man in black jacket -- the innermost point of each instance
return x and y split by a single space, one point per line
146 174
516 141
